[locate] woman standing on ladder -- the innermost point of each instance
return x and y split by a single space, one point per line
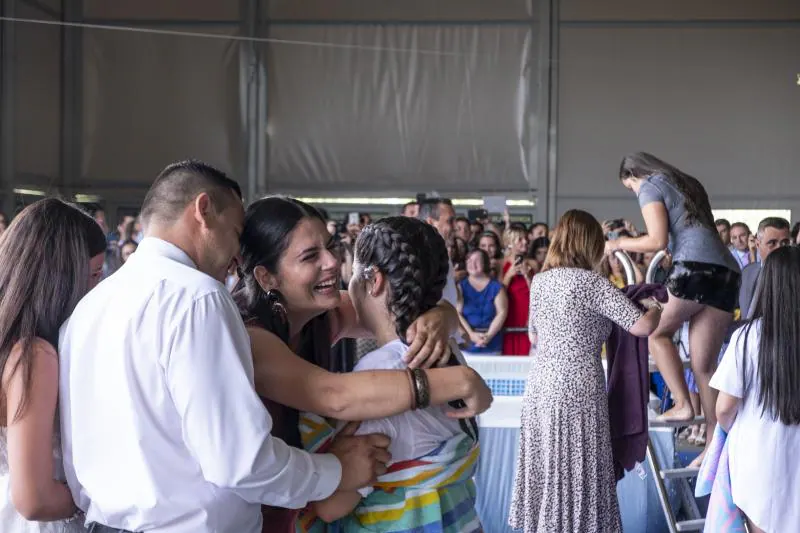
703 283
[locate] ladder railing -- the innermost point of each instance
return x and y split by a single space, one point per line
680 476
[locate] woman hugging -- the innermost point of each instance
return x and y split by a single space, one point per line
400 270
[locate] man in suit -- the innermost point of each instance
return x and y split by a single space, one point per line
773 232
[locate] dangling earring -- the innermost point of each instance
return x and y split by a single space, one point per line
276 303
278 320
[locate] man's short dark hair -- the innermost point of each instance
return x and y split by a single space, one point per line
180 183
429 208
740 225
462 219
723 222
773 222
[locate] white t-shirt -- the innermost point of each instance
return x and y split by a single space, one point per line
413 433
764 458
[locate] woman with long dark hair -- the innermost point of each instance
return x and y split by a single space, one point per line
758 381
565 480
401 268
52 255
703 283
537 250
489 242
288 294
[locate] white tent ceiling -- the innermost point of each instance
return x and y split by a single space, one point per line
358 96
460 96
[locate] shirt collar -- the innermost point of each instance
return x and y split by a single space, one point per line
162 248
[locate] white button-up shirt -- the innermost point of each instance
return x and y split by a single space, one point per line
449 292
161 427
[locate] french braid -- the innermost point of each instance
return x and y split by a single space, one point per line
413 257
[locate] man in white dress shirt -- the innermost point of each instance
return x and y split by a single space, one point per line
439 213
740 244
161 427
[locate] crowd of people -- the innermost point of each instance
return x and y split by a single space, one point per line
206 384
169 403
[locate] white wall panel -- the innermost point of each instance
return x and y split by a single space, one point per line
349 118
38 98
152 99
723 104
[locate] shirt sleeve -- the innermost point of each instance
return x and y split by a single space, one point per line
210 377
449 293
384 426
728 377
649 193
395 427
612 303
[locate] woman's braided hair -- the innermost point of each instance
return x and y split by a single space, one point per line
413 257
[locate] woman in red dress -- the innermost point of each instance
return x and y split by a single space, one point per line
518 271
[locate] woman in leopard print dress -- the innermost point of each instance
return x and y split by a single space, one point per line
565 478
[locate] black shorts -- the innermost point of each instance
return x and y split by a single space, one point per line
706 284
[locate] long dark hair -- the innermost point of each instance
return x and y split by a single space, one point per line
498 245
44 272
413 257
536 244
268 225
779 345
695 198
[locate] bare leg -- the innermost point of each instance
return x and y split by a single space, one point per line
665 354
695 399
707 331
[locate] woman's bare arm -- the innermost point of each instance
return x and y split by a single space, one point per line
646 325
465 327
501 313
336 506
657 221
283 377
35 492
726 410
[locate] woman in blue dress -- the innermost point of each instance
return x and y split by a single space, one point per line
482 306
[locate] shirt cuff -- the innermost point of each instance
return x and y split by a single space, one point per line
330 475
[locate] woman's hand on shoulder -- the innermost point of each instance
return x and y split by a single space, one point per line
429 337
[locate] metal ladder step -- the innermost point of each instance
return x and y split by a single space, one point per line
677 424
679 473
691 525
